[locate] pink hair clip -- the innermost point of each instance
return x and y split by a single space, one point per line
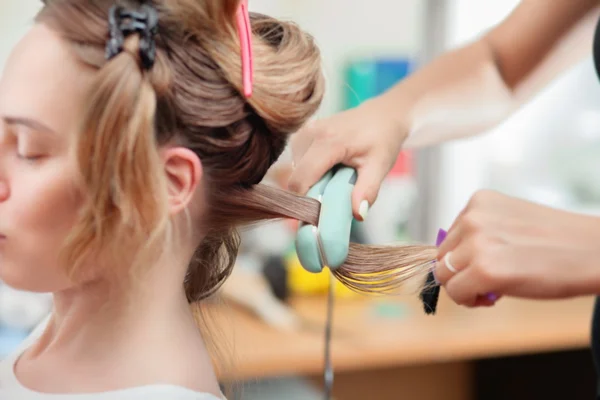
245 34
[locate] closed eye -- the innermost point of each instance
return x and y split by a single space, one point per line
28 157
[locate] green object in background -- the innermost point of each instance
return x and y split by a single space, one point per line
361 83
369 78
389 310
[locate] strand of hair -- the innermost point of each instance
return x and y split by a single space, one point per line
368 269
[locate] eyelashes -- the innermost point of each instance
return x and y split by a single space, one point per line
27 149
24 146
29 158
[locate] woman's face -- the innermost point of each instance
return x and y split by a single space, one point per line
41 92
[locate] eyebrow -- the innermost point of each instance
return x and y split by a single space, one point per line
28 122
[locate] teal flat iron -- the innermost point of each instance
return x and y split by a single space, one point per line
327 244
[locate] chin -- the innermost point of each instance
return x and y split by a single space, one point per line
29 279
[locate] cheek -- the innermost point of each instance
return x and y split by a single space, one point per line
39 215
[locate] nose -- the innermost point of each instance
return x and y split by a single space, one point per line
4 190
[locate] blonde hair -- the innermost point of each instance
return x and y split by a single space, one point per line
193 96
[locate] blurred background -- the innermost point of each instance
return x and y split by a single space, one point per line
270 314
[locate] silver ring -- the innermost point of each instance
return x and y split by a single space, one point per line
448 263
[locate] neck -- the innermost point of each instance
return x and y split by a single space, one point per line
103 313
97 315
94 323
102 330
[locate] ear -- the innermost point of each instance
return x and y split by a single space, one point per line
183 170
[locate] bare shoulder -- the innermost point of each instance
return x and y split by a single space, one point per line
189 366
177 357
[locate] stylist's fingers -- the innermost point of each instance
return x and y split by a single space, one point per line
468 226
366 189
454 235
464 287
453 238
472 287
319 158
456 259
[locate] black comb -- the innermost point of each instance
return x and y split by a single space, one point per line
430 294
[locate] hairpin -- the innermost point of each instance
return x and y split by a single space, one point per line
123 22
245 34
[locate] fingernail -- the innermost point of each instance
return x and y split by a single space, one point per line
363 209
491 297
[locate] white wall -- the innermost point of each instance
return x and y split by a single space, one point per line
465 165
347 29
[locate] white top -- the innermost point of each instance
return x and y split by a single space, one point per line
11 388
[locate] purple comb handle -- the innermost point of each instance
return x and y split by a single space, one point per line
440 237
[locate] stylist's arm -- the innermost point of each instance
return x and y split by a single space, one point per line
462 93
511 247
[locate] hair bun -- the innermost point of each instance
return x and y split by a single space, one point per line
288 89
288 80
217 16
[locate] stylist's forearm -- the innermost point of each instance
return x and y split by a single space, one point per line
584 268
469 90
457 95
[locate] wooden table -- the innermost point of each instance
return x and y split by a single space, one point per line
366 340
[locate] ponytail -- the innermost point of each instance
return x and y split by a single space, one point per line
121 176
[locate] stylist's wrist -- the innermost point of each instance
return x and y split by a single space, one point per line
589 255
395 105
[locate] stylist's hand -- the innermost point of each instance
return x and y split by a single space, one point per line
367 138
511 247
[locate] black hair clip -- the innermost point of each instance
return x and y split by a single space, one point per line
124 22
